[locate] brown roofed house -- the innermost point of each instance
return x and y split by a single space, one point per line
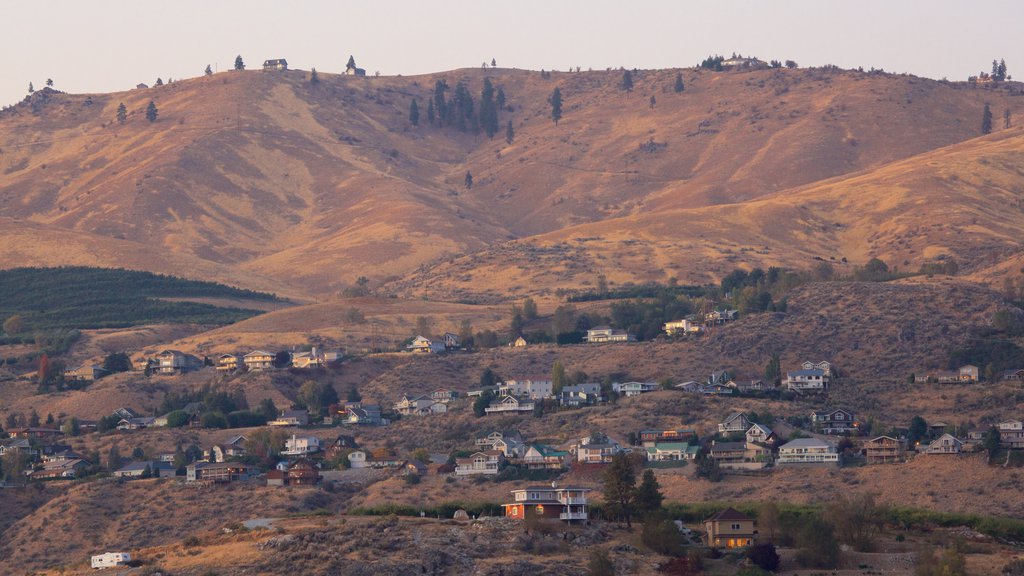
730 529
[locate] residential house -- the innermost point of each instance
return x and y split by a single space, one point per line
508 443
600 452
485 463
717 317
380 459
760 434
301 472
690 386
735 422
60 454
738 455
509 404
539 456
807 451
426 345
651 437
568 503
315 358
715 389
414 467
258 360
824 366
234 448
602 334
413 404
301 446
291 418
443 395
671 451
124 413
834 421
138 469
229 362
365 414
193 409
86 373
217 472
575 395
730 529
519 342
279 64
136 423
744 63
534 388
945 444
480 391
884 450
966 373
177 362
634 388
351 70
18 446
1011 434
813 380
681 327
340 445
1016 375
719 377
497 436
755 385
36 433
451 341
60 470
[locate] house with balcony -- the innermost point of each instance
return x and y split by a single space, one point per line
835 421
534 388
1011 434
419 405
176 362
739 455
813 380
365 414
651 437
602 452
737 422
945 444
884 450
291 418
634 388
443 395
542 457
509 404
301 472
807 451
424 345
730 529
760 434
258 360
567 503
576 395
229 362
602 334
486 463
682 327
232 449
301 446
671 451
218 472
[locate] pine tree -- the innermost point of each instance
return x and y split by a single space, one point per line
1006 118
159 82
556 105
208 71
414 113
49 82
488 109
122 113
314 78
986 120
679 83
31 88
648 494
239 64
469 179
430 111
493 62
1001 70
627 81
151 111
351 65
499 99
620 488
439 101
653 101
509 133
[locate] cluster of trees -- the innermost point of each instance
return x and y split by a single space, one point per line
219 409
460 111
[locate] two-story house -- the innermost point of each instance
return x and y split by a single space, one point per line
177 362
1011 434
568 503
229 362
813 380
301 446
301 472
807 451
681 327
737 422
534 388
486 463
730 529
601 334
509 404
634 388
258 360
945 444
541 457
884 450
834 421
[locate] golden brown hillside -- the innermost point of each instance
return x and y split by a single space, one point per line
266 181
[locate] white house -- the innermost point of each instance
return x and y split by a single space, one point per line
111 560
536 388
945 444
509 404
633 388
808 451
814 379
426 345
681 327
301 445
759 434
481 463
735 422
608 334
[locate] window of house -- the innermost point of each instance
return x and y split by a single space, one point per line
735 526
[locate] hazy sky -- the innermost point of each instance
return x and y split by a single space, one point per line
108 45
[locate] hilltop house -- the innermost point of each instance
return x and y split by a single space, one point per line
602 334
884 450
351 70
568 503
834 421
314 358
945 444
634 388
509 404
730 529
279 64
1011 434
760 434
217 472
534 388
301 472
229 362
485 463
539 456
426 345
301 445
258 360
812 380
420 405
807 451
177 362
291 418
681 327
735 422
85 373
966 373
